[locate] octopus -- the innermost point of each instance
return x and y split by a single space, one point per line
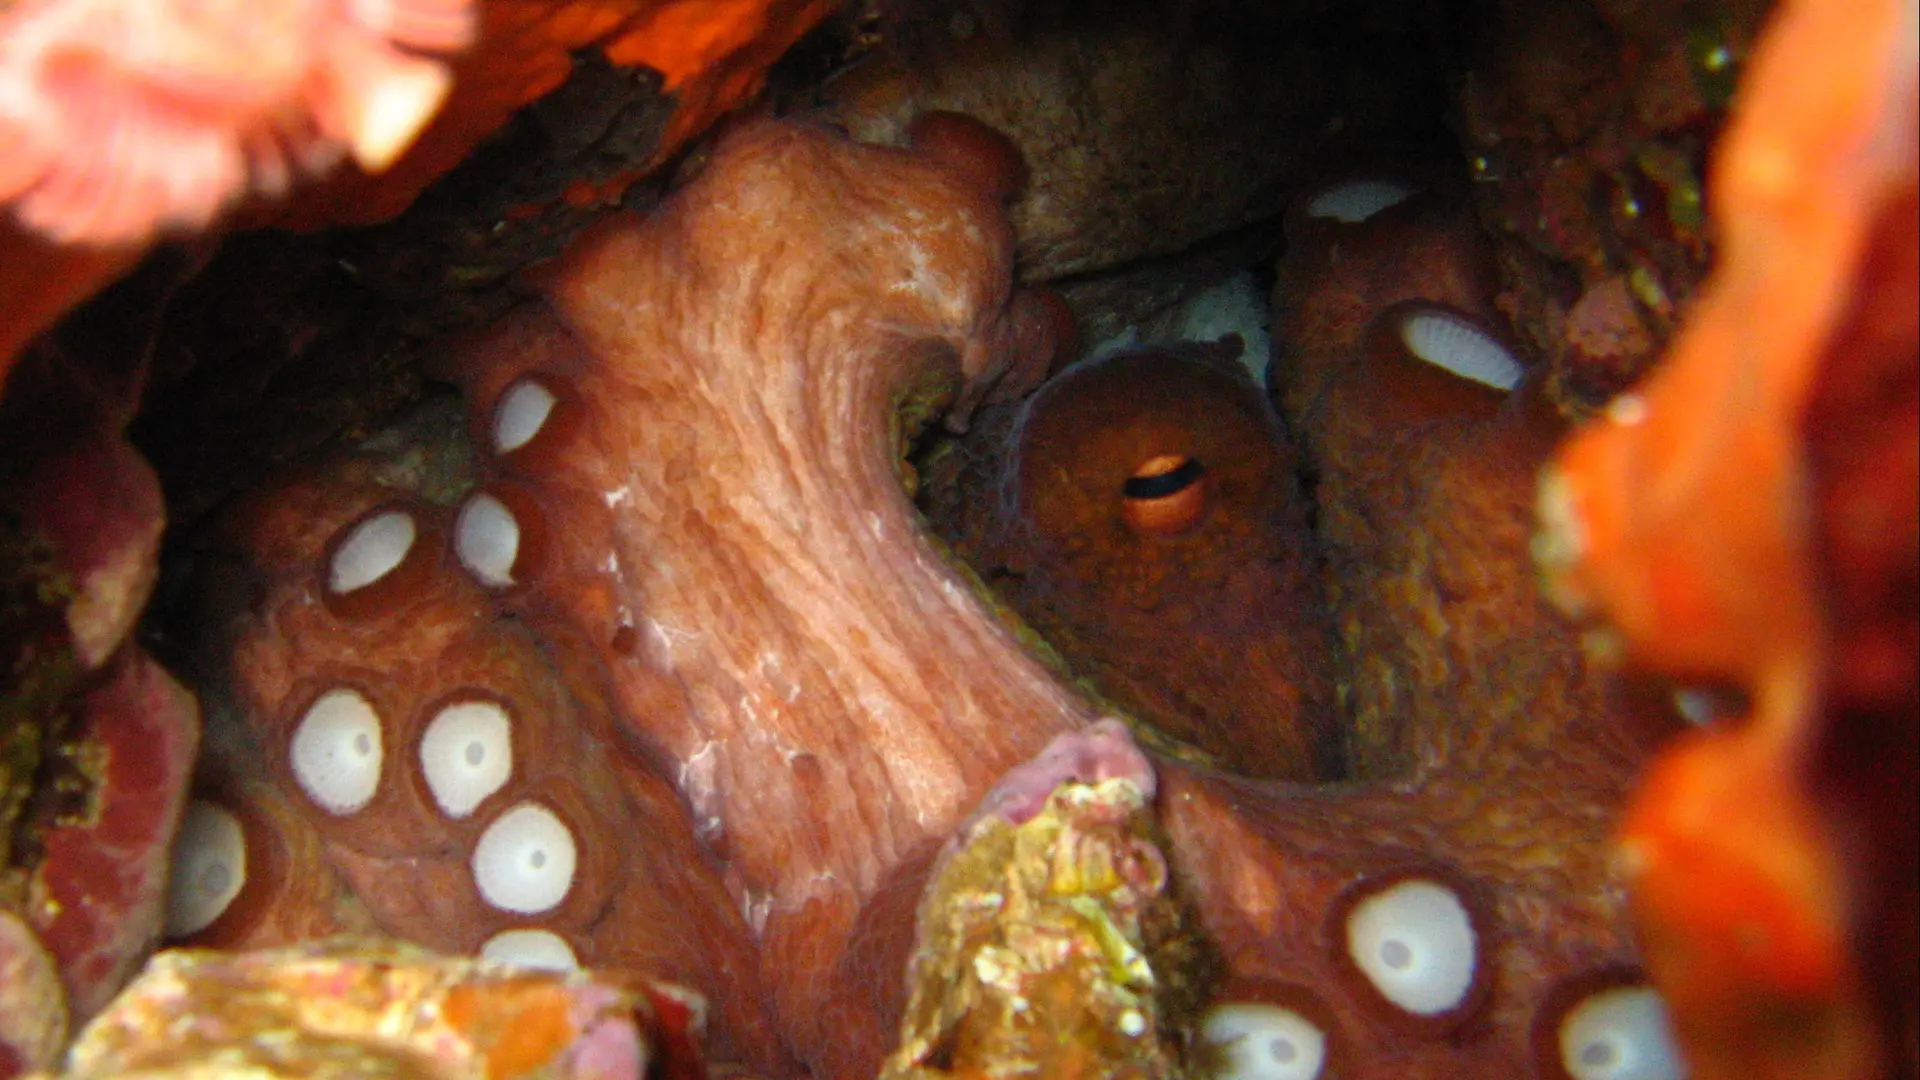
688 630
679 683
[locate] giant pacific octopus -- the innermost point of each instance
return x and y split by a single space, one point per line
683 684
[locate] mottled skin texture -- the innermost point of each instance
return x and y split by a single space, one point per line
720 577
1423 480
1491 758
1197 611
411 643
715 541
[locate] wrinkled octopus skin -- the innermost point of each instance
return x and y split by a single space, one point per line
684 686
1454 912
456 779
694 550
1141 512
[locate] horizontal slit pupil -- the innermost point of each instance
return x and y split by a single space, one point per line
1171 482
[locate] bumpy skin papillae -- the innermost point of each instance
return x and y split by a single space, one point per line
1412 463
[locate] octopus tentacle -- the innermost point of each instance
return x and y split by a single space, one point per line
1455 911
743 462
451 776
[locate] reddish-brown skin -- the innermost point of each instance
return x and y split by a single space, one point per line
1424 478
716 549
125 734
1194 604
1492 759
1335 277
414 641
292 893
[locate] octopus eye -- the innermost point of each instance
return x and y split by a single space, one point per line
524 862
1448 341
466 754
370 551
486 536
1619 1034
541 949
1165 495
337 751
1414 942
521 413
1357 200
209 868
1258 1041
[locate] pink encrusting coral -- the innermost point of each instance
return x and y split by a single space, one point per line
119 121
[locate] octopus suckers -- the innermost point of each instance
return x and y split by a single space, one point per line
209 868
1259 1041
522 412
1448 341
337 752
466 754
525 860
486 536
1619 1034
534 948
371 550
1414 941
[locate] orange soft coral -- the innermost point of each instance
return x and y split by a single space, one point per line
1708 517
120 119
